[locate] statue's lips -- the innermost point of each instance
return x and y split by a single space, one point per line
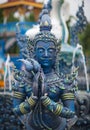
46 60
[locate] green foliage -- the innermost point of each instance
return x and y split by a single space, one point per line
31 18
1 16
11 18
14 49
85 40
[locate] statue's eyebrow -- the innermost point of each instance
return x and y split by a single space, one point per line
52 47
40 47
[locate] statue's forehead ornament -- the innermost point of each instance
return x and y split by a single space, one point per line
45 36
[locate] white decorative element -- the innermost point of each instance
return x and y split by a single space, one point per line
87 9
45 2
3 1
1 62
65 33
5 20
16 15
32 32
27 14
19 16
7 74
66 10
55 19
39 1
30 7
9 43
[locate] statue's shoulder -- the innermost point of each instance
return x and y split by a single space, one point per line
21 78
54 79
70 80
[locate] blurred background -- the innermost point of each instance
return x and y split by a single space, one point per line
77 18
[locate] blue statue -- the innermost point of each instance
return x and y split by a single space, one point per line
39 89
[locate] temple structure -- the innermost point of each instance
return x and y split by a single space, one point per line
10 6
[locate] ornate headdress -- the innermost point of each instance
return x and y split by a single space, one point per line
45 32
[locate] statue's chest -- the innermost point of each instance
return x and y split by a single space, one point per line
53 87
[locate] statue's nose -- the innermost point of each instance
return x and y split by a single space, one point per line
46 53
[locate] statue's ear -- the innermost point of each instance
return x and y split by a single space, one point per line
58 46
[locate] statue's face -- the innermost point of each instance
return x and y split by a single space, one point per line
45 53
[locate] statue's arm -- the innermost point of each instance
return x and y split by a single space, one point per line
68 100
18 97
20 103
26 106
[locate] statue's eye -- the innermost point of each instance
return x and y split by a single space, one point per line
51 49
40 50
